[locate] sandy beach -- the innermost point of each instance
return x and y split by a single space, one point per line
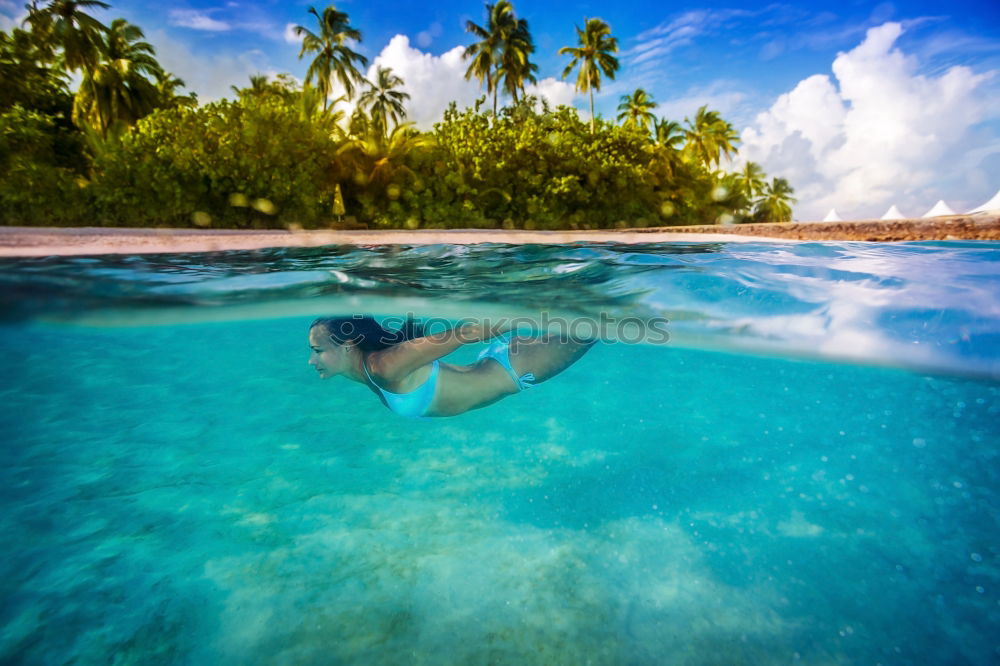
48 241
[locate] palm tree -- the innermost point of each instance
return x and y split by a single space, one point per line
669 134
775 206
383 101
636 110
258 86
515 65
594 56
334 58
116 90
66 25
283 87
726 138
728 201
359 125
307 101
751 179
166 88
312 107
708 137
28 75
487 53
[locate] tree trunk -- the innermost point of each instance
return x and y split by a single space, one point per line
591 109
491 89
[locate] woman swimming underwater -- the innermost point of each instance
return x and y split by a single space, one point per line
404 368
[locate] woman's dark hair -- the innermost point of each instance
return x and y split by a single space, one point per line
367 333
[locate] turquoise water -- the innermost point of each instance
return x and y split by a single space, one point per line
807 472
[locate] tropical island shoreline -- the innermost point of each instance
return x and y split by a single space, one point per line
76 241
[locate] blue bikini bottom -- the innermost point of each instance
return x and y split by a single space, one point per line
499 351
416 402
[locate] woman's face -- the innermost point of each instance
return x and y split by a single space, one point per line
327 357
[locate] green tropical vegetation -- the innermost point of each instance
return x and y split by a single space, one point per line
120 87
93 131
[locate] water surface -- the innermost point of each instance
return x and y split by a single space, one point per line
178 487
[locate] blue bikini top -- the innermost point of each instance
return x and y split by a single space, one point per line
416 402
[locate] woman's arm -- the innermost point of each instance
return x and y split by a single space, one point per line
400 360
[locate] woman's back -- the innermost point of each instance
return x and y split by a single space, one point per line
411 380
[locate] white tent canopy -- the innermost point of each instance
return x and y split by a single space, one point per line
832 216
991 205
893 214
940 208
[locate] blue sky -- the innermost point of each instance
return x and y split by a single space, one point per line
743 59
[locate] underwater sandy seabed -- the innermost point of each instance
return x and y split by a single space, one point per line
193 494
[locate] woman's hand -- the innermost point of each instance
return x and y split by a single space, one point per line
481 332
401 359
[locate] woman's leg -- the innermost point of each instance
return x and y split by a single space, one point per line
545 356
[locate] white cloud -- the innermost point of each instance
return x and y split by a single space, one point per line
432 81
719 96
556 92
247 17
425 37
692 22
12 15
881 133
653 44
661 46
197 20
435 81
290 36
209 75
818 35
